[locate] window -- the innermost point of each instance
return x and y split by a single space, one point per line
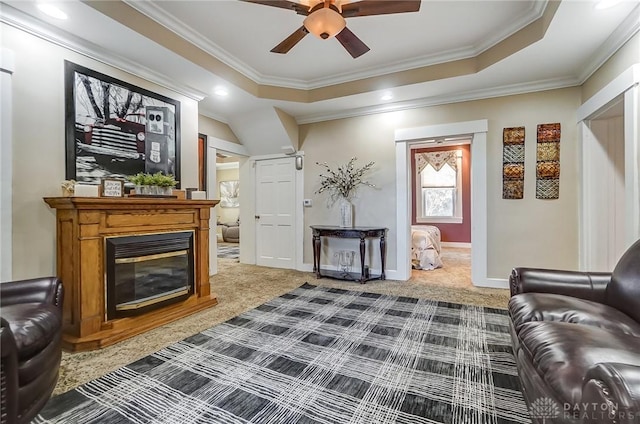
439 186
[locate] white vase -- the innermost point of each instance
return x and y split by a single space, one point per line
346 213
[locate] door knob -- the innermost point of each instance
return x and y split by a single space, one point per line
257 216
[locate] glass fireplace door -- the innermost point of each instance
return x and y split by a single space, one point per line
148 271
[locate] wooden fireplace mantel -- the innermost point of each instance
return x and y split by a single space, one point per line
82 225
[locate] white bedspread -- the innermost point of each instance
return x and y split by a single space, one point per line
425 247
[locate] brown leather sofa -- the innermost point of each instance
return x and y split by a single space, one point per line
31 335
576 338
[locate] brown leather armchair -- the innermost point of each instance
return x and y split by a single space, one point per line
576 338
30 337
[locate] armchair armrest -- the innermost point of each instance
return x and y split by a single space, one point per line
42 290
9 373
584 285
615 385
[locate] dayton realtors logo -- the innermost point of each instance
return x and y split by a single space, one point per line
546 409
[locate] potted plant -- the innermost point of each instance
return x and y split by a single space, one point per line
165 183
153 184
342 185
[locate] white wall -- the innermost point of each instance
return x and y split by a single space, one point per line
606 180
39 143
6 167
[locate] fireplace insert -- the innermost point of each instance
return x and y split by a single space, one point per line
145 272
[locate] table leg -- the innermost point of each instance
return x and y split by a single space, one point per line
316 255
383 255
362 251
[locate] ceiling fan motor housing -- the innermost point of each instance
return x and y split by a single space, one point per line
324 21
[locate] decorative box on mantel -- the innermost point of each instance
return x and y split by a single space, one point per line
129 265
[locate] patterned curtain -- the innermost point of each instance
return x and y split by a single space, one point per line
437 159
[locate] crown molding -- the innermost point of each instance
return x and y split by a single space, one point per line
507 90
17 19
623 33
154 12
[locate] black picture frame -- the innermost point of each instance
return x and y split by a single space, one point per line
114 129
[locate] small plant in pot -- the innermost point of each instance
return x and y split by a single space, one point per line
165 183
153 184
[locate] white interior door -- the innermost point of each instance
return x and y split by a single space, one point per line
275 213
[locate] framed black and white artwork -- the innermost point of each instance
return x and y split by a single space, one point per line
114 129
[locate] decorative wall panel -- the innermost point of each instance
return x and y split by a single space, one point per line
548 161
513 163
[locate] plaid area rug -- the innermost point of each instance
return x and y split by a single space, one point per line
228 251
318 355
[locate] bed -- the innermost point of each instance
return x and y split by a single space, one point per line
425 247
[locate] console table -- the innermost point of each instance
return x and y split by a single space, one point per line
361 233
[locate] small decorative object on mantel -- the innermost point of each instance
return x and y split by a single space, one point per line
68 188
112 187
153 185
342 185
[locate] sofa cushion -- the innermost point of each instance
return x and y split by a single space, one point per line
562 353
34 326
528 307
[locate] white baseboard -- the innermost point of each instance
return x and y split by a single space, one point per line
455 244
494 283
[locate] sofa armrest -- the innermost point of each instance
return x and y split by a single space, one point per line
584 285
8 374
42 290
615 385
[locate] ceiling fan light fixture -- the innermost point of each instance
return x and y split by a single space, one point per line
324 23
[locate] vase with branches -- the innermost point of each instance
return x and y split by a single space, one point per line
342 184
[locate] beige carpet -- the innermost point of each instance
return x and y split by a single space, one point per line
240 287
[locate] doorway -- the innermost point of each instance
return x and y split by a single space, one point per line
609 124
440 192
228 210
477 130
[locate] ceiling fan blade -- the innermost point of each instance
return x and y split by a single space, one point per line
377 7
352 43
290 41
283 4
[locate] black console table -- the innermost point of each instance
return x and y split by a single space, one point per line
361 233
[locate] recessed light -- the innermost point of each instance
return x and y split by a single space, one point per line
52 10
605 4
220 91
386 96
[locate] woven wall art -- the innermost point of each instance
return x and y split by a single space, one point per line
513 163
548 161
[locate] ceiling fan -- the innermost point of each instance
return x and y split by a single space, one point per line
326 19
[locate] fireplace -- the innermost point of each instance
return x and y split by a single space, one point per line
146 272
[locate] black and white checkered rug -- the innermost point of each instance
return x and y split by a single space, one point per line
318 355
229 251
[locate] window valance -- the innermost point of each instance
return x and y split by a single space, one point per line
437 159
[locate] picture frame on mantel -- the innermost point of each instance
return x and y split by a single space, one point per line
112 187
114 129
